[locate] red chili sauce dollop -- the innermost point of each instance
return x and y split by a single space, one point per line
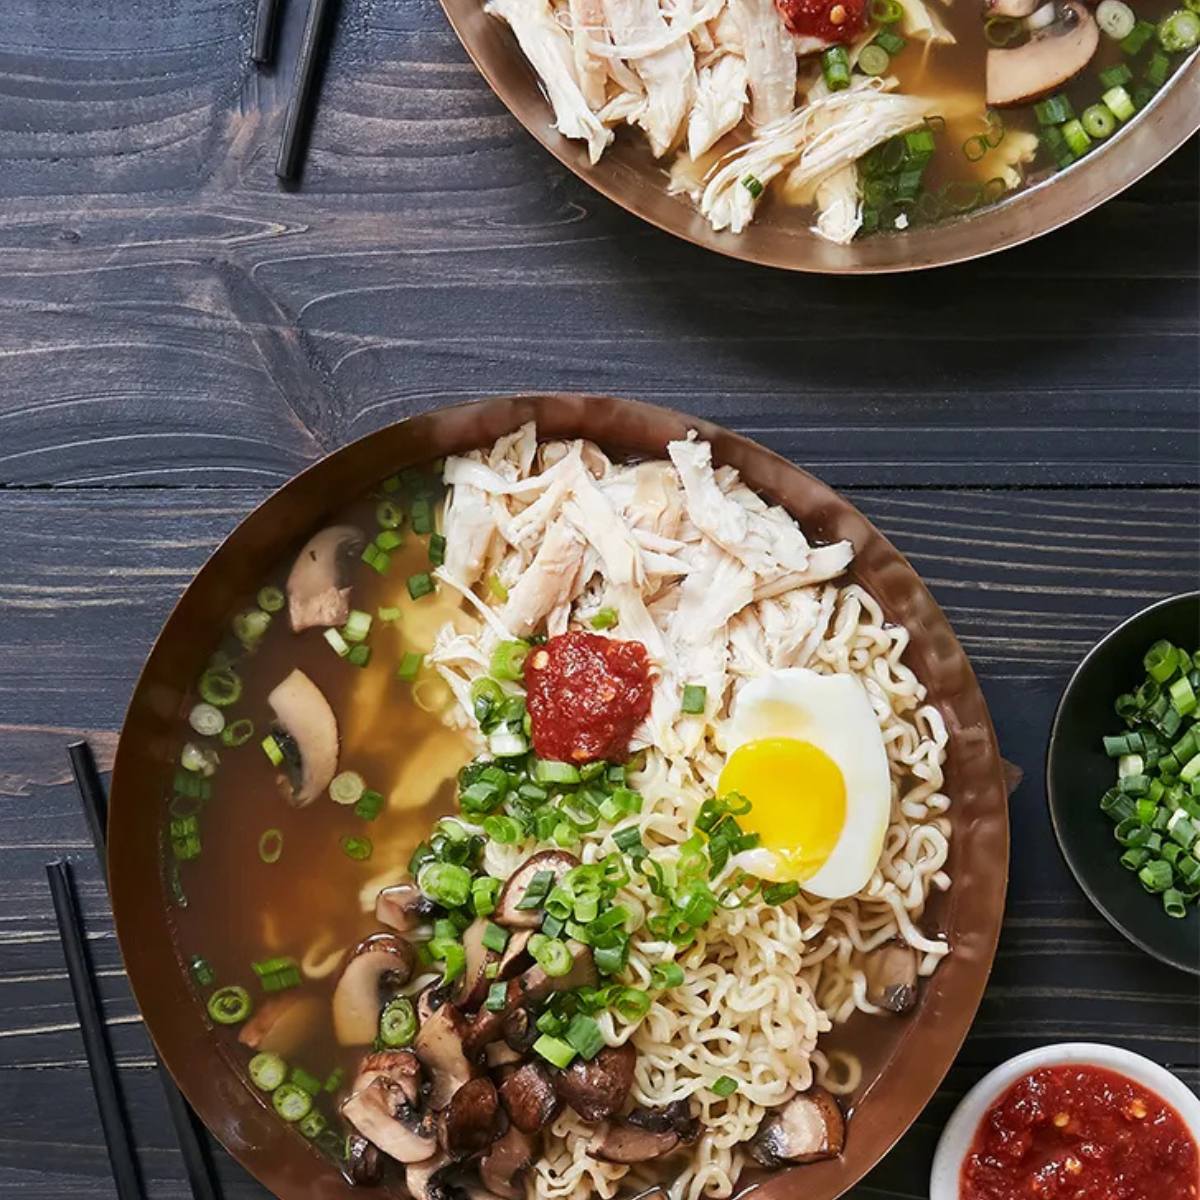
1076 1132
830 20
586 694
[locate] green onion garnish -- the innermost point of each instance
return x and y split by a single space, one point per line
605 618
694 698
397 1023
357 848
238 733
724 1086
508 660
220 686
271 599
497 997
389 514
202 971
584 1035
410 666
359 655
422 515
271 750
554 1050
497 589
369 805
267 1071
270 846
549 771
292 1103
337 643
446 883
302 1079
347 787
358 625
437 549
375 558
229 1005
420 585
495 937
835 67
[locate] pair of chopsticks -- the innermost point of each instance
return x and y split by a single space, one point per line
298 119
113 1117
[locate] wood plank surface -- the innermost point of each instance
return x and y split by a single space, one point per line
178 335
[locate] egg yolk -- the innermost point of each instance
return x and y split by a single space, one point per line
797 797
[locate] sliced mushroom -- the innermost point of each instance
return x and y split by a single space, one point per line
529 1097
515 958
598 1089
500 1054
527 990
400 1067
363 1164
427 1180
1016 9
1052 56
808 1127
675 1117
317 588
303 715
559 862
502 1167
620 1142
381 1113
403 907
439 1046
472 985
891 971
467 1124
282 1023
377 967
430 999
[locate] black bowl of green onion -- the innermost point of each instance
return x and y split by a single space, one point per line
1123 779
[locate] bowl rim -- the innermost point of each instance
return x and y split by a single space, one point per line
925 1046
1074 864
959 1131
1157 131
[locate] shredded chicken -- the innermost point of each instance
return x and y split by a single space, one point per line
711 579
770 58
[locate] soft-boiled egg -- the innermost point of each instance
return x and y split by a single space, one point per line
806 751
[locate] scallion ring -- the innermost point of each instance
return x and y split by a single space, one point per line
229 1005
220 686
238 732
270 845
206 719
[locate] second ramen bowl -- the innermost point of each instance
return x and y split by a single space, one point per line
903 1058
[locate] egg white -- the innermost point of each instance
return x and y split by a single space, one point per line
833 713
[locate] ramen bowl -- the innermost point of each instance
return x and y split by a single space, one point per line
779 236
903 1058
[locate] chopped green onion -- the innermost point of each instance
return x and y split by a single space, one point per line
694 698
502 829
549 771
584 1035
337 643
388 615
422 516
1119 103
1157 69
1076 137
220 686
206 719
357 626
497 589
388 540
229 1005
359 655
1098 120
1156 876
554 1050
508 660
777 893
605 618
536 890
369 805
485 891
874 60
270 845
347 787
1183 698
753 185
238 733
495 937
357 848
891 42
551 955
1173 903
497 997
250 626
629 840
1116 76
389 515
267 1071
630 1004
301 1078
1054 110
291 1102
313 1126
1116 18
397 1023
451 955
886 12
271 599
1179 31
410 666
835 67
272 750
666 975
202 971
437 549
420 585
724 1086
445 883
1137 38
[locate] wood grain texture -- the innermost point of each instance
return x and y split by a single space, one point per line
178 335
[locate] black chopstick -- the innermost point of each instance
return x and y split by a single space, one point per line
262 48
95 1038
298 118
196 1160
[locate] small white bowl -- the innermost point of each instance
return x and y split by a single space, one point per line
956 1139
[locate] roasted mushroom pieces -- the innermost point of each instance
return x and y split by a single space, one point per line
598 1089
306 732
467 1125
376 968
808 1127
529 1097
891 971
509 910
439 1046
383 1107
317 589
502 1168
403 907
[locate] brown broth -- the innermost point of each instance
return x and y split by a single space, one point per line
240 909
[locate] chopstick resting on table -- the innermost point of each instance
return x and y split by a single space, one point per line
297 120
262 49
95 1037
196 1160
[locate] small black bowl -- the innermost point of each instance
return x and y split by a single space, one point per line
1078 773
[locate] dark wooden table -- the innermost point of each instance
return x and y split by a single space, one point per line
178 336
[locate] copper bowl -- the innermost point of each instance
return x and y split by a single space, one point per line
904 1058
779 237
